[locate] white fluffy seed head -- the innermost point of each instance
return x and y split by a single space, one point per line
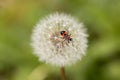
49 45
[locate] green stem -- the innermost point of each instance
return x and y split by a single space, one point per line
63 73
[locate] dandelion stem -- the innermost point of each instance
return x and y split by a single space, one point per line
63 73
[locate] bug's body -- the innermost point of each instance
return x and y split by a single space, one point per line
66 36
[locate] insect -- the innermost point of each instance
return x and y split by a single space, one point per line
65 35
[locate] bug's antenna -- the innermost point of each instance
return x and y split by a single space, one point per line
67 30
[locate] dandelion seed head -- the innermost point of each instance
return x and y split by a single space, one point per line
50 47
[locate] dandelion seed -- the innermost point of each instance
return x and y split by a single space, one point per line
49 45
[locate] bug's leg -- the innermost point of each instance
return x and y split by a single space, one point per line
63 43
68 41
72 41
64 40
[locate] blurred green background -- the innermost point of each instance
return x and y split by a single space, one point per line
101 17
